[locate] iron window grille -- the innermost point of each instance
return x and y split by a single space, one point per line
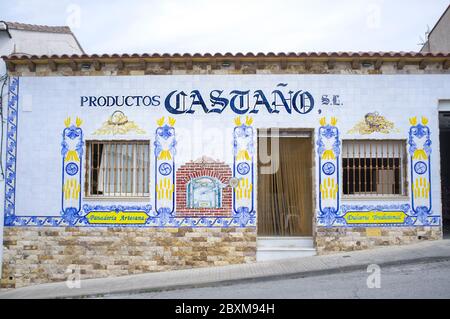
374 168
117 169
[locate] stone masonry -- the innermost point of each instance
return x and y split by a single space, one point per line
336 239
35 255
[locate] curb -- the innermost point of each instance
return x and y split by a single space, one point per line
295 275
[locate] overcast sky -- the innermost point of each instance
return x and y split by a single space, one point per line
138 26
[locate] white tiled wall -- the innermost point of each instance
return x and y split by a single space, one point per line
45 102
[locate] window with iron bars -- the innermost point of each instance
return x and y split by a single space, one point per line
117 168
374 168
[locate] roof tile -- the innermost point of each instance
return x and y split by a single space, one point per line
228 55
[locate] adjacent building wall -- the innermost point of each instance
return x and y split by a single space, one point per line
33 39
439 37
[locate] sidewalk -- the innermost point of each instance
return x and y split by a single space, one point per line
190 278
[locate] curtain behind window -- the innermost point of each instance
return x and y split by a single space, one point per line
123 169
116 169
285 197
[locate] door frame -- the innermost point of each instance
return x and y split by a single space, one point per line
312 137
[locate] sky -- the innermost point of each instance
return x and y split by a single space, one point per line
201 26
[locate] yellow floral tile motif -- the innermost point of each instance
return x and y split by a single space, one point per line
323 121
413 120
328 155
164 189
373 123
118 124
421 187
244 189
423 120
171 121
333 121
72 155
165 155
329 188
420 154
68 121
243 155
248 121
160 121
71 189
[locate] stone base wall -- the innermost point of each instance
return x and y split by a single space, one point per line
339 239
33 255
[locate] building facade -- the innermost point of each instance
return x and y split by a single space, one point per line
126 164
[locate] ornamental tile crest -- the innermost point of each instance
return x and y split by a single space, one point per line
118 124
373 123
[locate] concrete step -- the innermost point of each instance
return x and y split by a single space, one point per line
274 248
285 242
277 255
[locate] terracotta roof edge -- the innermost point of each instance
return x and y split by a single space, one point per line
238 55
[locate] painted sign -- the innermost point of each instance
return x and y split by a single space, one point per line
216 101
113 217
375 217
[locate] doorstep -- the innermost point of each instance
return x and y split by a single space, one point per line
276 247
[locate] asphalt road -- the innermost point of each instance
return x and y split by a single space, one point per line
424 280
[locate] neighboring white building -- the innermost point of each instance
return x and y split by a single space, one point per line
21 38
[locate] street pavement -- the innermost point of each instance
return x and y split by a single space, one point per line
278 270
421 280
